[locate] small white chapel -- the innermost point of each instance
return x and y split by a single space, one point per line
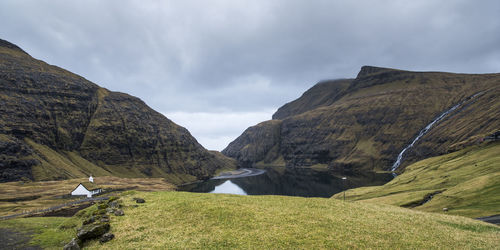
87 188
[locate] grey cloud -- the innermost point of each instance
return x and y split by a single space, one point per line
244 56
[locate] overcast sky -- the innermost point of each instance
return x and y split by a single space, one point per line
218 67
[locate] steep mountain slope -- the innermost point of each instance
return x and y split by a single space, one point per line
56 125
363 123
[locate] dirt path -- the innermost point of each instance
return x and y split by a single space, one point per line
11 239
46 210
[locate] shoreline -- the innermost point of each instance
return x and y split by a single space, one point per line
239 173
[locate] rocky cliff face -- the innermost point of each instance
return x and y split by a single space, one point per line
261 141
55 125
363 123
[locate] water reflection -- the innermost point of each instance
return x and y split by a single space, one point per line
228 187
290 181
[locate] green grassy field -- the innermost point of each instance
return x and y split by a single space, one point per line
468 182
46 231
191 220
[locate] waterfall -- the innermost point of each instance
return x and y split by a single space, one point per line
427 128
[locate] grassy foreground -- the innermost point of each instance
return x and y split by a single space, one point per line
466 182
46 232
191 220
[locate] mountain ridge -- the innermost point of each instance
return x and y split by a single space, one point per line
9 45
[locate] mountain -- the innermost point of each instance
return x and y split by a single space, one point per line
57 125
363 123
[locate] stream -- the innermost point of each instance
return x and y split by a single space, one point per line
424 131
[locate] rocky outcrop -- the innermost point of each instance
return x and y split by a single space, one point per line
95 224
72 245
92 231
15 160
106 237
56 125
363 123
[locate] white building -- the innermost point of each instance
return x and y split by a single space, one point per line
87 189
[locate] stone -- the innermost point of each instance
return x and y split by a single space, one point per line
102 206
106 237
90 220
72 245
99 212
139 200
110 210
119 212
92 231
114 204
104 220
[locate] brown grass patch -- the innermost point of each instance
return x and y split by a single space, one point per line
18 197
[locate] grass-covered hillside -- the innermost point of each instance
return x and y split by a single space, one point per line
467 182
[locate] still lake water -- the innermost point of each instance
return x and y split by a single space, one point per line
292 182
